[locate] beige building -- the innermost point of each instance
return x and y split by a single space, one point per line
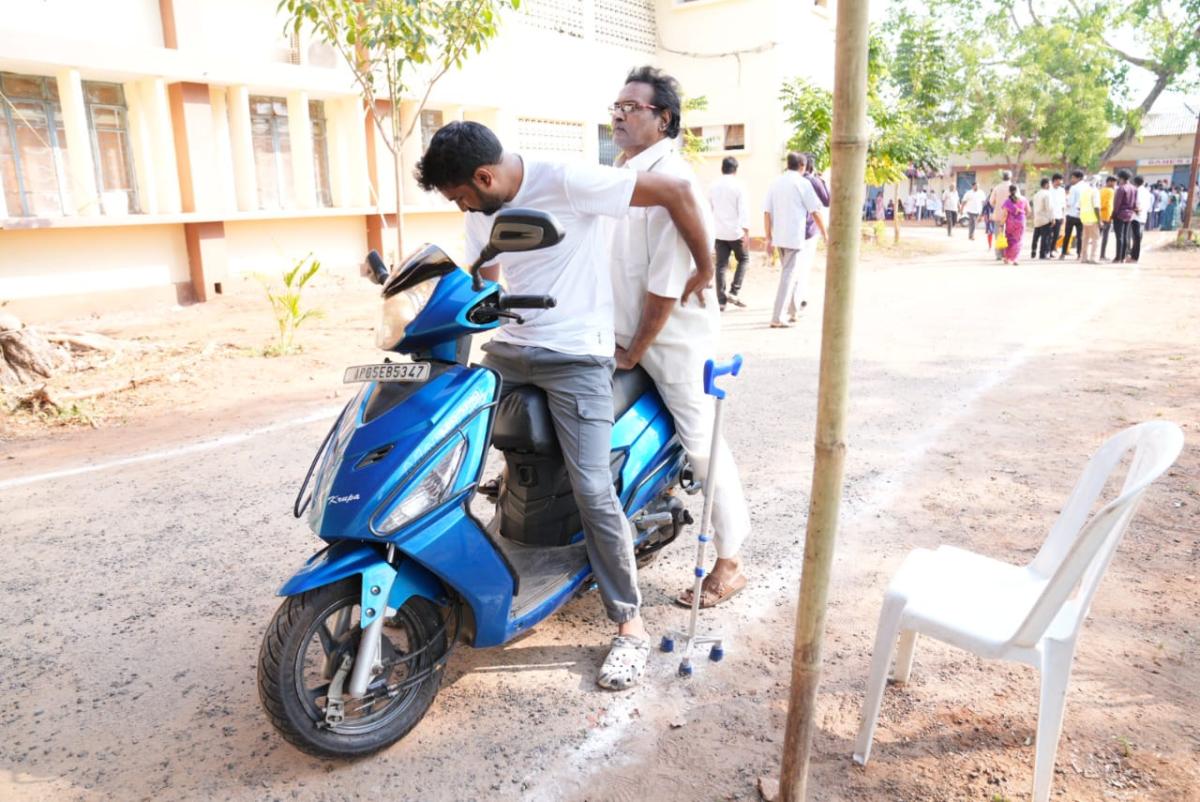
1162 150
152 150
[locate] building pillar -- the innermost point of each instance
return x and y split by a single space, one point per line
241 144
411 153
208 258
156 110
85 197
141 144
300 137
226 193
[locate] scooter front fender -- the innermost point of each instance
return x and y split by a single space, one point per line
379 579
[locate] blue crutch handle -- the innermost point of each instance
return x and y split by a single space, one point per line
712 370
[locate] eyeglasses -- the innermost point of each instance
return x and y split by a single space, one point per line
629 107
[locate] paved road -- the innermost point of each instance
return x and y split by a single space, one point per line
135 596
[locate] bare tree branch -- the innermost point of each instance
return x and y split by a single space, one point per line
1033 14
1130 131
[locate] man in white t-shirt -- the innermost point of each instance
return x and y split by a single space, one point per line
1058 203
1145 201
670 340
933 203
731 223
950 208
972 207
567 351
922 203
790 200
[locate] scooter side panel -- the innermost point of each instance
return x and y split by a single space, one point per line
645 432
453 547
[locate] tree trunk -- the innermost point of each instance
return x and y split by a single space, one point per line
849 151
26 356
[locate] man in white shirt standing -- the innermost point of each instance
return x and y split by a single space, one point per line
790 200
972 207
922 203
1058 203
567 351
731 219
671 339
1145 201
950 207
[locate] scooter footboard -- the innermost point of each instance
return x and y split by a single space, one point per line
383 586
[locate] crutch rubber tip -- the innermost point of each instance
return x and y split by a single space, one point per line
666 644
716 653
685 669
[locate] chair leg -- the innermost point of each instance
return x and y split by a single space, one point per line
1055 678
881 659
904 656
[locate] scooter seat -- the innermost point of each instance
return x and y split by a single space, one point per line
523 422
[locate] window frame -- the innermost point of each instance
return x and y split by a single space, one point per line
52 109
273 124
122 112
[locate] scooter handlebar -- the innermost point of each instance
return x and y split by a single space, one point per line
527 302
712 370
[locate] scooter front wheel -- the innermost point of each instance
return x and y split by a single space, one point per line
307 651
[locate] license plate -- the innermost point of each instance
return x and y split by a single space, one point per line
388 372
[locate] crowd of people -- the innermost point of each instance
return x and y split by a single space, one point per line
1079 213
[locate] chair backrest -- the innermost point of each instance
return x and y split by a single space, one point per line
1075 554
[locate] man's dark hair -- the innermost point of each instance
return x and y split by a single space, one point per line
1056 177
729 165
810 162
1112 179
1045 183
1138 180
795 161
1077 174
666 94
1123 174
456 151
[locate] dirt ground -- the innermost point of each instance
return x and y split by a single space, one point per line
977 394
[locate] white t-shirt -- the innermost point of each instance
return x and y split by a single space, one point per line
731 214
973 201
950 200
650 256
790 200
910 204
1058 202
933 203
1145 199
576 270
1073 199
922 199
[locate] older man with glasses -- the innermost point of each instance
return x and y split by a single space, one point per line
670 338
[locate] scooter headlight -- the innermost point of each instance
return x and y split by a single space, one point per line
399 310
426 493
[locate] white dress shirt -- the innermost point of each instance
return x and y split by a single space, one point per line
731 215
790 200
1058 202
650 256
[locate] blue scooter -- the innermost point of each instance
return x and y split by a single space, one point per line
353 658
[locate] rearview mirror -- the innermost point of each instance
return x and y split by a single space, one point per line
518 230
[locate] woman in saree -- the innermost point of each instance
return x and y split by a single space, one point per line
1012 223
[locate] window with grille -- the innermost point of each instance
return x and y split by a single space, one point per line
550 139
33 147
316 113
607 148
272 151
559 16
431 121
627 23
108 121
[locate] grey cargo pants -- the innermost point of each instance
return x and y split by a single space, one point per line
579 393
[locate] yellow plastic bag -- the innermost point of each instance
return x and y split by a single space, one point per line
1001 241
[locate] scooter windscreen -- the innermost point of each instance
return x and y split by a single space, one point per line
408 290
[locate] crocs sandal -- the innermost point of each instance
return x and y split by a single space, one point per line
712 594
625 664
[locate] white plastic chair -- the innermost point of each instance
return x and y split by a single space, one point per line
1031 614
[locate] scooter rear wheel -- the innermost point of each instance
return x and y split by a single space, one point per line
305 644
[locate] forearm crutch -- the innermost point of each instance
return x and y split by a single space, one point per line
690 638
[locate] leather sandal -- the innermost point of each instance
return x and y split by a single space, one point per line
712 594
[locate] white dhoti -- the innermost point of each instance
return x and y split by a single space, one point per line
692 410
